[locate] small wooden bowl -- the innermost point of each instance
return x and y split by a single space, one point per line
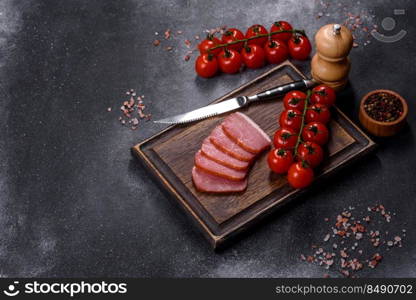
378 128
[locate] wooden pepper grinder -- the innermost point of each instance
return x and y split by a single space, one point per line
330 64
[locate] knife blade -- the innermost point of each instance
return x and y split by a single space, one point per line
236 103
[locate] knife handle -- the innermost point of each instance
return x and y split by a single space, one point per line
282 89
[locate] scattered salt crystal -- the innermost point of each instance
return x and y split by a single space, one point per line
167 34
330 262
129 106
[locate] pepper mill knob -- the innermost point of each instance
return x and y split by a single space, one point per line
331 64
337 29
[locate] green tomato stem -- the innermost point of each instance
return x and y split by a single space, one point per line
302 124
301 32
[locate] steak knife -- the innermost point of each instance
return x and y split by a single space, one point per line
236 103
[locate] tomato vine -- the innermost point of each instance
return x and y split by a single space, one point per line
295 31
302 124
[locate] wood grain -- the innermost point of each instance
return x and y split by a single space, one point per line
170 155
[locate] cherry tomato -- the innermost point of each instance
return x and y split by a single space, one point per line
323 94
254 31
310 152
318 113
208 43
291 118
276 52
285 138
231 35
253 56
300 175
299 47
281 25
206 65
229 61
279 160
315 132
294 100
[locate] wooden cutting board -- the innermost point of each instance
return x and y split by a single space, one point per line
170 157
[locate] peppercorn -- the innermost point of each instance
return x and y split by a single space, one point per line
383 107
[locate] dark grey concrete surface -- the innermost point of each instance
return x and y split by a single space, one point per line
75 202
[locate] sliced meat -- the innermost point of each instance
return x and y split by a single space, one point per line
214 168
225 144
205 182
247 134
212 152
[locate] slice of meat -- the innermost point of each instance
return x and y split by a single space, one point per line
212 152
225 144
205 182
214 168
246 133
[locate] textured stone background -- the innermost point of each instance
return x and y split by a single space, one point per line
75 202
